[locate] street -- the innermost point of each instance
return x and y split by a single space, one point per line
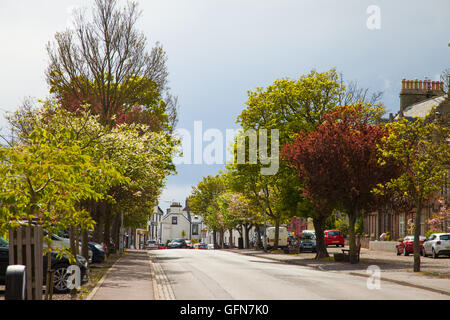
222 275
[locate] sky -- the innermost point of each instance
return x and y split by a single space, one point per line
220 49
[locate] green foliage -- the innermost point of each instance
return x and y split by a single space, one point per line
342 225
420 147
61 159
429 233
359 227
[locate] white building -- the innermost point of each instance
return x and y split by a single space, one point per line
154 224
179 223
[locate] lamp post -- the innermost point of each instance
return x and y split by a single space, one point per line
266 194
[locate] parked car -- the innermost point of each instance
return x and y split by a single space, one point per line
190 244
151 244
437 244
201 246
308 242
177 243
334 237
98 252
162 246
406 245
59 265
59 241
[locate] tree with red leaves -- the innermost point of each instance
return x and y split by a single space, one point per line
338 163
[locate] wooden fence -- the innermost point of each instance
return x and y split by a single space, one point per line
25 248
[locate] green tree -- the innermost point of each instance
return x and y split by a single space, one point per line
203 201
421 148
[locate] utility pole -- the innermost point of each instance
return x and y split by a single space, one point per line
266 194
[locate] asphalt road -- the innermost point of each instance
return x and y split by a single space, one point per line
222 275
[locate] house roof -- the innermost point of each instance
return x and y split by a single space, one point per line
421 109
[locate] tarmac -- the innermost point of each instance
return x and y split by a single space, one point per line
135 277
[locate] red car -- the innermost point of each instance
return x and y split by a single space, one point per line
162 246
406 245
334 237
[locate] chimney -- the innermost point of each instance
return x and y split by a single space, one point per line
414 91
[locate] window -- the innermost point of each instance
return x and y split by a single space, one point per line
445 237
174 220
195 229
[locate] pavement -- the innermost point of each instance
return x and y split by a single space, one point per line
130 278
196 274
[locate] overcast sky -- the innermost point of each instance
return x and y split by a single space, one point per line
219 49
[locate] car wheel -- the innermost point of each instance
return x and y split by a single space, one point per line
424 253
405 252
60 278
434 254
398 252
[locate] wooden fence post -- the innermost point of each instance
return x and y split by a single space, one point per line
25 248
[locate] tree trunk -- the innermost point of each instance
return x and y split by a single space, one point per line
416 236
116 231
380 223
99 215
84 244
215 238
321 248
352 238
107 231
231 238
247 227
72 236
222 236
258 238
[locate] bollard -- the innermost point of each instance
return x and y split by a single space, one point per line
15 283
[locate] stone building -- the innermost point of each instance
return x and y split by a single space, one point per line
417 98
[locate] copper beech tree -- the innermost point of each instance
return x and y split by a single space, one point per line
338 164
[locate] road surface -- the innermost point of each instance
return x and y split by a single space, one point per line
224 275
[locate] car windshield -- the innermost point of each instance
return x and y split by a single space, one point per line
309 236
445 237
4 242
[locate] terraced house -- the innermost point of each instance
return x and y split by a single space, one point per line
417 98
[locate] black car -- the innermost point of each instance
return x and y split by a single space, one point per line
59 265
177 243
98 254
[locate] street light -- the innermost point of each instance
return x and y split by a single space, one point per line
266 194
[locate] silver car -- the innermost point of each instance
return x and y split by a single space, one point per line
437 244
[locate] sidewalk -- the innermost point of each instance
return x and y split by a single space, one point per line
393 269
130 278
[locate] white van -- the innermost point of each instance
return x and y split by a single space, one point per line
282 237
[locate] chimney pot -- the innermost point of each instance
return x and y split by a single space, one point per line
416 86
403 83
